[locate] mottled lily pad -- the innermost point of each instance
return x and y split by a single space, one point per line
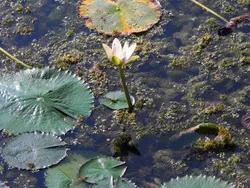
46 100
100 168
122 17
34 151
116 100
197 182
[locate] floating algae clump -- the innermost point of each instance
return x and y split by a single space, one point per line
223 141
121 16
65 61
207 128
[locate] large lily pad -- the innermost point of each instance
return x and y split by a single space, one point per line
120 16
197 182
100 168
34 151
45 100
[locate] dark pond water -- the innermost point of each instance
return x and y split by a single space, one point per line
186 75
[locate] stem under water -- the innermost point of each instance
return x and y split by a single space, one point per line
125 88
209 10
14 58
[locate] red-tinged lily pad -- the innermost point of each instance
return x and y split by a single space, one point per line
120 17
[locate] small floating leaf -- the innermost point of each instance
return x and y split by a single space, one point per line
116 100
34 151
121 16
102 167
45 100
197 182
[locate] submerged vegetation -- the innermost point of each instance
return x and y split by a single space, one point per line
222 141
187 76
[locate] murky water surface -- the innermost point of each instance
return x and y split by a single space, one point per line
186 75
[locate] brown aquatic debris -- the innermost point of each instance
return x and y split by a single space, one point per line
237 20
233 23
245 120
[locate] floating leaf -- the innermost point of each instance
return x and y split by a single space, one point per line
65 175
125 184
57 179
116 100
109 183
105 183
45 100
121 16
34 151
197 182
2 185
102 167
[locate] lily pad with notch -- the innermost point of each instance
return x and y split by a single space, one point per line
120 17
116 100
46 100
65 174
100 168
34 151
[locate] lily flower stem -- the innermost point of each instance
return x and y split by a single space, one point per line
209 10
125 88
14 58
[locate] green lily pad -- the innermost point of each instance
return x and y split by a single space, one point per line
121 16
109 183
34 151
2 185
116 100
197 182
46 100
105 183
100 168
65 175
57 179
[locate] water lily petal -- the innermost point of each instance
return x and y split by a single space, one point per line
125 47
132 59
124 51
117 48
108 51
130 51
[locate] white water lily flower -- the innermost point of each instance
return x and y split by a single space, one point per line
119 55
